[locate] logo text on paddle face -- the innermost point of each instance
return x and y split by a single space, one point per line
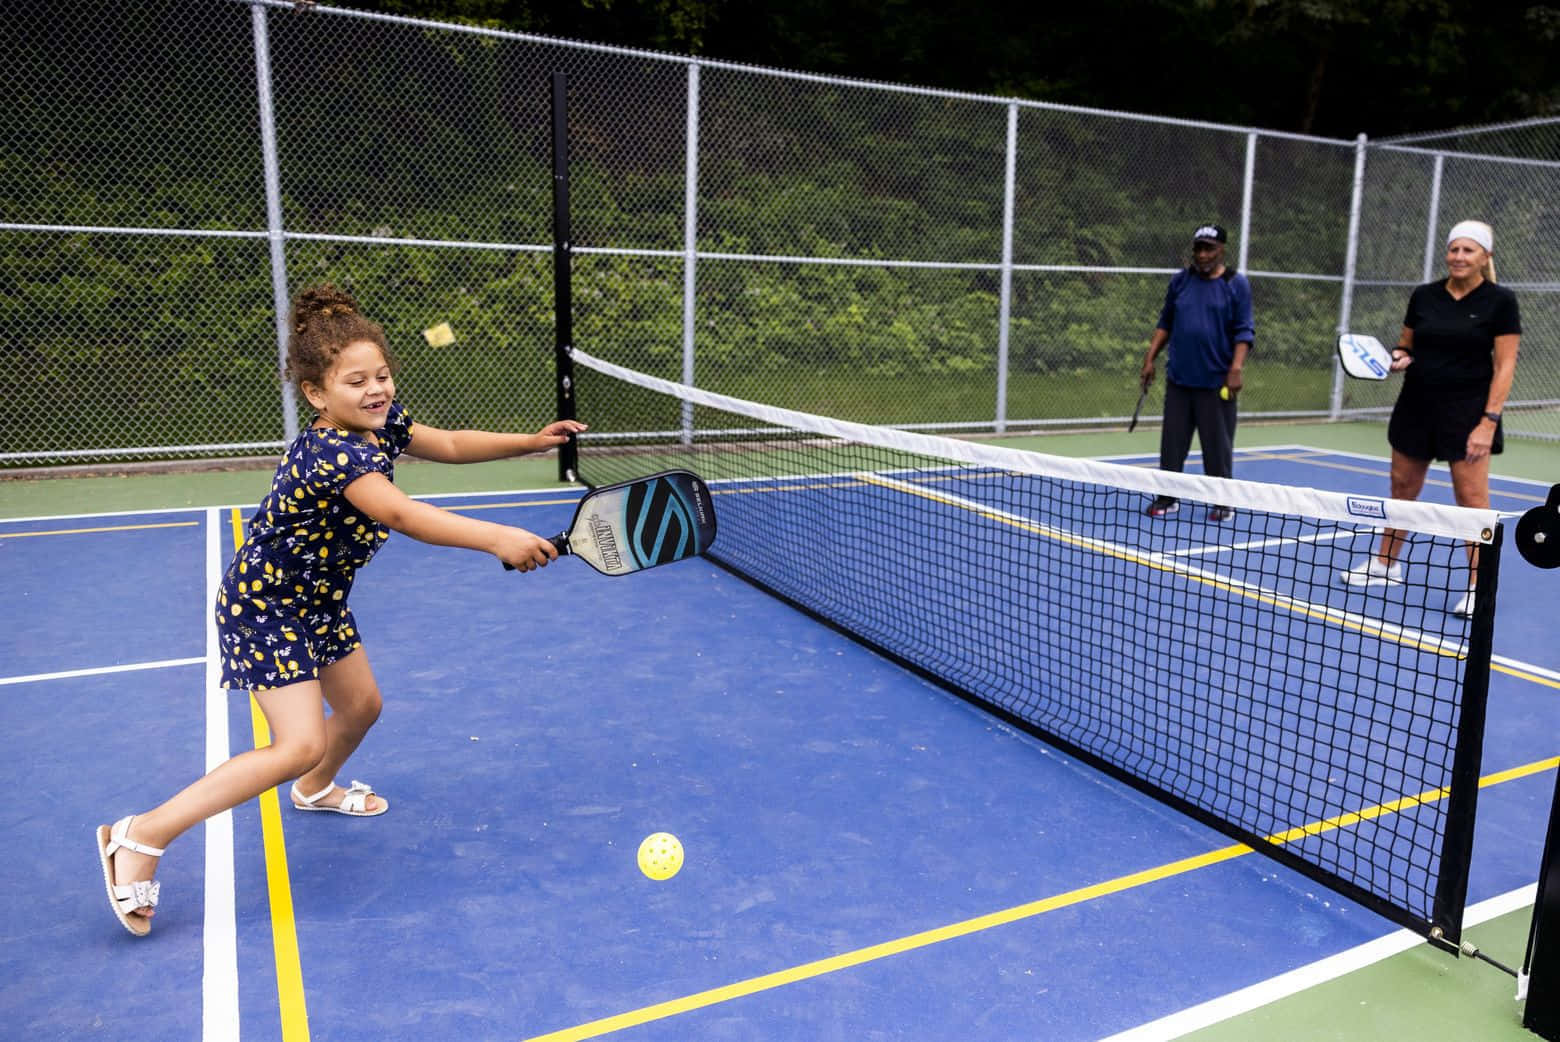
606 542
1371 508
1371 363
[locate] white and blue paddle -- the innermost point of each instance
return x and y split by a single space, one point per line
1364 357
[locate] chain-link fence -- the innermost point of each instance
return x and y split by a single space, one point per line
1415 189
171 174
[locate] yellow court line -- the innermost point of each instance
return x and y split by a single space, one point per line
1260 455
291 1000
1290 604
846 960
290 991
1522 674
1321 613
284 928
1174 567
105 528
525 503
1132 556
1514 773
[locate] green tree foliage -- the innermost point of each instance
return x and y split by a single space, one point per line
400 149
1329 67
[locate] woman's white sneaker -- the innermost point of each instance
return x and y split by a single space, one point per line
1373 573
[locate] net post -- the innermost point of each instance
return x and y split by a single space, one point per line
563 270
1451 892
1541 1014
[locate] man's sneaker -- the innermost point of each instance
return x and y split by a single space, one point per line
1221 513
1464 608
1373 573
1163 506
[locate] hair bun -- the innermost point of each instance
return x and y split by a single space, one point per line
322 301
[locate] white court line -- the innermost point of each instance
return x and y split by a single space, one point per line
154 512
1262 544
1295 981
1527 667
100 670
1438 466
248 507
219 978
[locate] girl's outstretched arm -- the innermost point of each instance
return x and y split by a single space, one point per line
441 446
379 499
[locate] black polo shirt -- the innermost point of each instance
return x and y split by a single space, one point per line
1454 340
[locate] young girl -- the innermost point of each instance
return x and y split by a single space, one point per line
286 632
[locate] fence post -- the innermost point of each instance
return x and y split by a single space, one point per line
690 244
1245 204
1350 258
1005 302
275 233
1434 219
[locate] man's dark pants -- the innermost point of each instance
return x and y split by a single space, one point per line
1200 409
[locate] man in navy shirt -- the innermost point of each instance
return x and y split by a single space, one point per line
1206 321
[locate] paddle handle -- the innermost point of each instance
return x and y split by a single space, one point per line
560 541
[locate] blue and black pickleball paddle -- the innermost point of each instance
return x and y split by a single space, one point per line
638 524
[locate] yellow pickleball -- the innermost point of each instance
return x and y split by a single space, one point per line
440 335
660 855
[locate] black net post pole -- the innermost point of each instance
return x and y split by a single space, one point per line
563 273
1541 1015
1540 979
1457 848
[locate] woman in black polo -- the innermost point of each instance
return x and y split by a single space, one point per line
1457 352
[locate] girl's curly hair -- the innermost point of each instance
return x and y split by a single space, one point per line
324 321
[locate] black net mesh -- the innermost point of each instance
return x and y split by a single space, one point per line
1223 665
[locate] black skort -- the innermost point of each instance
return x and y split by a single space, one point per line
1434 423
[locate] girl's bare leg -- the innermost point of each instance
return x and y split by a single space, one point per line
355 702
296 716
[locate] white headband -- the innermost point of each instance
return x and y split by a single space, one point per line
1478 231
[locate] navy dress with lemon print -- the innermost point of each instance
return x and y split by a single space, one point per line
282 608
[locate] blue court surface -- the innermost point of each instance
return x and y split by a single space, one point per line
868 856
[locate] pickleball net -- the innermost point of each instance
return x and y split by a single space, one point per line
1221 666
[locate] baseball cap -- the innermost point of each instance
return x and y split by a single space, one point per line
1209 233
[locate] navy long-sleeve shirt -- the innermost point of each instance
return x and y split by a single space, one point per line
1205 318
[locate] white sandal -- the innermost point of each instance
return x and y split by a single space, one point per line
353 804
127 897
